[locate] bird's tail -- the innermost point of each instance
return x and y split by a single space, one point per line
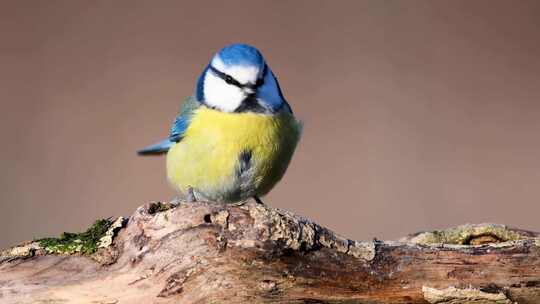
157 148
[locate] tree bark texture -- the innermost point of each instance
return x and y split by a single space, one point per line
212 253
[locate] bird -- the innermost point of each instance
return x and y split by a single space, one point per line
234 138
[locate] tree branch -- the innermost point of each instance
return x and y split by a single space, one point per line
211 253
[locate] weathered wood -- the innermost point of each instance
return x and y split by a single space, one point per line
210 253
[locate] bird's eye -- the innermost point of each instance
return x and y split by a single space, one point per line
259 82
229 79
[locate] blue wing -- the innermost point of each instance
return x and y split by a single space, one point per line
179 127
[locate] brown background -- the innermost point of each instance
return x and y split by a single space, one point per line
417 114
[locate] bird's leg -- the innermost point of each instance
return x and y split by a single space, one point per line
190 197
258 200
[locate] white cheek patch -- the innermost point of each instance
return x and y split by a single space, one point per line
242 73
219 94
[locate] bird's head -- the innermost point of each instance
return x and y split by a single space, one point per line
237 79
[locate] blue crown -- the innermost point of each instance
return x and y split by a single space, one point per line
241 54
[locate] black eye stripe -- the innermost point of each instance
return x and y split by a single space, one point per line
230 80
227 78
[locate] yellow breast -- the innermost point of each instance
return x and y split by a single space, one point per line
207 158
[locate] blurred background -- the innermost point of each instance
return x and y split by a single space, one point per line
418 114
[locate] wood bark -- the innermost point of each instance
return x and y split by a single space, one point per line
211 253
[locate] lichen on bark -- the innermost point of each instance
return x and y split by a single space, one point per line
467 235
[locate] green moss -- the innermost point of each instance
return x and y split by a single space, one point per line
84 242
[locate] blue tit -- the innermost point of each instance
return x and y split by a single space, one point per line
234 139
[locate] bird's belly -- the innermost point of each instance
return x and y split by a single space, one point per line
230 157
